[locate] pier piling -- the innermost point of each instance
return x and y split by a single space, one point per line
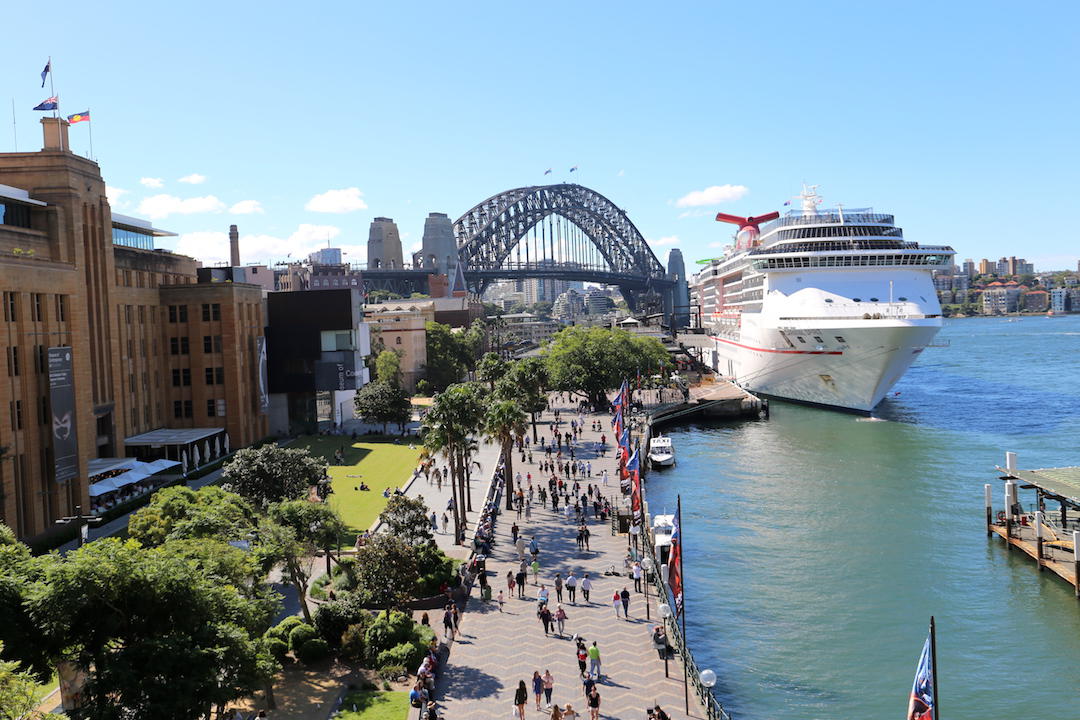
1076 561
989 509
1039 540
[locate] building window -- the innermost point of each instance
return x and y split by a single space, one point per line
127 314
181 408
179 346
9 307
215 376
177 313
221 407
211 311
16 414
142 314
211 343
41 362
13 361
131 387
35 307
43 410
397 340
211 408
181 377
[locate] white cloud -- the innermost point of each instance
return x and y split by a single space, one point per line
213 246
718 244
246 207
151 182
669 240
714 195
695 213
114 194
161 206
337 201
193 179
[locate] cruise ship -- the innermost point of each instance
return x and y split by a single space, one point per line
822 306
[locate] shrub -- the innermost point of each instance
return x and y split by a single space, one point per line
334 617
300 635
352 643
392 672
386 632
435 569
313 651
406 654
423 387
282 629
386 685
277 647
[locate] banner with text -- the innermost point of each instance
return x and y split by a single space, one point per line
62 407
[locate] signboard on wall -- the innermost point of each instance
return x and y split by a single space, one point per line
335 376
62 408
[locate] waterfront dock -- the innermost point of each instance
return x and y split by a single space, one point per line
1050 536
496 649
713 399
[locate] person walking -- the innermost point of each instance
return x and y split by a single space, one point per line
448 624
519 544
521 696
625 597
534 547
636 572
535 569
594 704
545 620
586 586
510 583
556 713
500 599
616 602
537 686
594 660
521 579
585 536
560 619
582 656
558 587
571 587
434 522
570 713
549 686
445 522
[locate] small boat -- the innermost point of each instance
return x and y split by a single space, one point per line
661 451
663 526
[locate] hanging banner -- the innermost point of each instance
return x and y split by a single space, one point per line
264 385
62 407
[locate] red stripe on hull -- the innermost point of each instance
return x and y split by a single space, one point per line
778 352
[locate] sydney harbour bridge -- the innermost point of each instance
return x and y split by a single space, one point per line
563 232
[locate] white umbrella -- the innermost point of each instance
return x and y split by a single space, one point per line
226 442
220 445
195 458
206 450
183 460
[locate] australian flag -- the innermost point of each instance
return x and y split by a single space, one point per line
48 104
46 71
633 469
921 705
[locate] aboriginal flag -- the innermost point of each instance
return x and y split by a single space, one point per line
79 117
675 560
921 704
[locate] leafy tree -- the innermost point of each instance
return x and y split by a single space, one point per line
179 512
454 416
279 544
315 523
491 369
592 361
388 368
378 296
20 636
155 635
386 571
445 356
18 693
542 308
381 402
272 474
407 518
504 421
526 382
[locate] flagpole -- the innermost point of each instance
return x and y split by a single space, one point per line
90 128
933 662
682 614
56 110
14 126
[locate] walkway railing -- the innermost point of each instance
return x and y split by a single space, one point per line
713 709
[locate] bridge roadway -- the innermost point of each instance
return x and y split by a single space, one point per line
497 649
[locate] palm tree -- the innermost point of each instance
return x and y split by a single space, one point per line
526 382
505 421
454 416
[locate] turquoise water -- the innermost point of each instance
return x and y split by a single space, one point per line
818 543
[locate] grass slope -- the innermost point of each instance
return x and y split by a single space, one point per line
372 705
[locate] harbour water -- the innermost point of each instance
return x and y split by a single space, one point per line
818 543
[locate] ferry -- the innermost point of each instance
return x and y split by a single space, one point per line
661 451
826 307
663 527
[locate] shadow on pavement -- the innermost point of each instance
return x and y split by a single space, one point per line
468 683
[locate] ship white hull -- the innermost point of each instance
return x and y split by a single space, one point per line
661 459
855 374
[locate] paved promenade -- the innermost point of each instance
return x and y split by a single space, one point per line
497 649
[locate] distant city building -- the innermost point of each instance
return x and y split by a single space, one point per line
1000 300
341 275
676 271
292 277
438 252
1035 301
599 303
519 331
402 327
969 268
986 267
1059 301
384 245
325 256
568 305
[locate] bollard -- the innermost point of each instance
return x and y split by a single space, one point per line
1039 539
1008 509
1076 561
989 509
1010 461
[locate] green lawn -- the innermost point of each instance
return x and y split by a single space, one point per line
381 463
45 688
372 705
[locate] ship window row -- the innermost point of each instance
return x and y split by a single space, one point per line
840 231
835 246
784 263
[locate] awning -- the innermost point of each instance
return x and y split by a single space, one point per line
96 466
161 465
1063 482
173 436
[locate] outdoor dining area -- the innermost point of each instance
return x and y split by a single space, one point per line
114 481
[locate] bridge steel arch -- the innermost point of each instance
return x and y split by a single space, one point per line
488 232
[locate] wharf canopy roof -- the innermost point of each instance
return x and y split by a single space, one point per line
172 436
1063 482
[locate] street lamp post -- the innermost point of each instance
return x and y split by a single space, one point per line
708 679
647 564
83 524
665 613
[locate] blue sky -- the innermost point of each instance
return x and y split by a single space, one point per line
960 118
